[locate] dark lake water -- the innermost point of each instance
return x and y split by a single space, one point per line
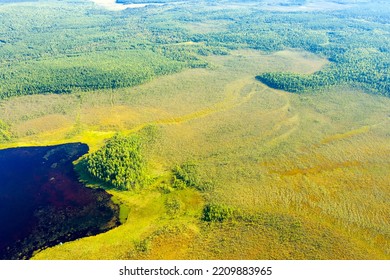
42 203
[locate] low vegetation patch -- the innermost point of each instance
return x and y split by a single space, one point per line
5 134
185 175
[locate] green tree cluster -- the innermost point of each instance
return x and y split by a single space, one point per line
119 163
362 68
217 213
85 72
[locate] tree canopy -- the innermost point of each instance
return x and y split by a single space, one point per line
119 163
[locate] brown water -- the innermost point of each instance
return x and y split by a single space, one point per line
42 203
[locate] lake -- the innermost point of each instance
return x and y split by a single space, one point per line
118 6
42 202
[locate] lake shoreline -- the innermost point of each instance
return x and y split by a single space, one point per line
45 204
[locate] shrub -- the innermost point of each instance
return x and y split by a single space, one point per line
217 213
186 175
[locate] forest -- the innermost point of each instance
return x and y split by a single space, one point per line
84 56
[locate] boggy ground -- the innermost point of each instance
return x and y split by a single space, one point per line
306 175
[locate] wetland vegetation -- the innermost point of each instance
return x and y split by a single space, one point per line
224 130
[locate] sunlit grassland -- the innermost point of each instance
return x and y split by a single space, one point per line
307 174
147 219
161 100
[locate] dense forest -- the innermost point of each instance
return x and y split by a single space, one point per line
53 54
119 163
